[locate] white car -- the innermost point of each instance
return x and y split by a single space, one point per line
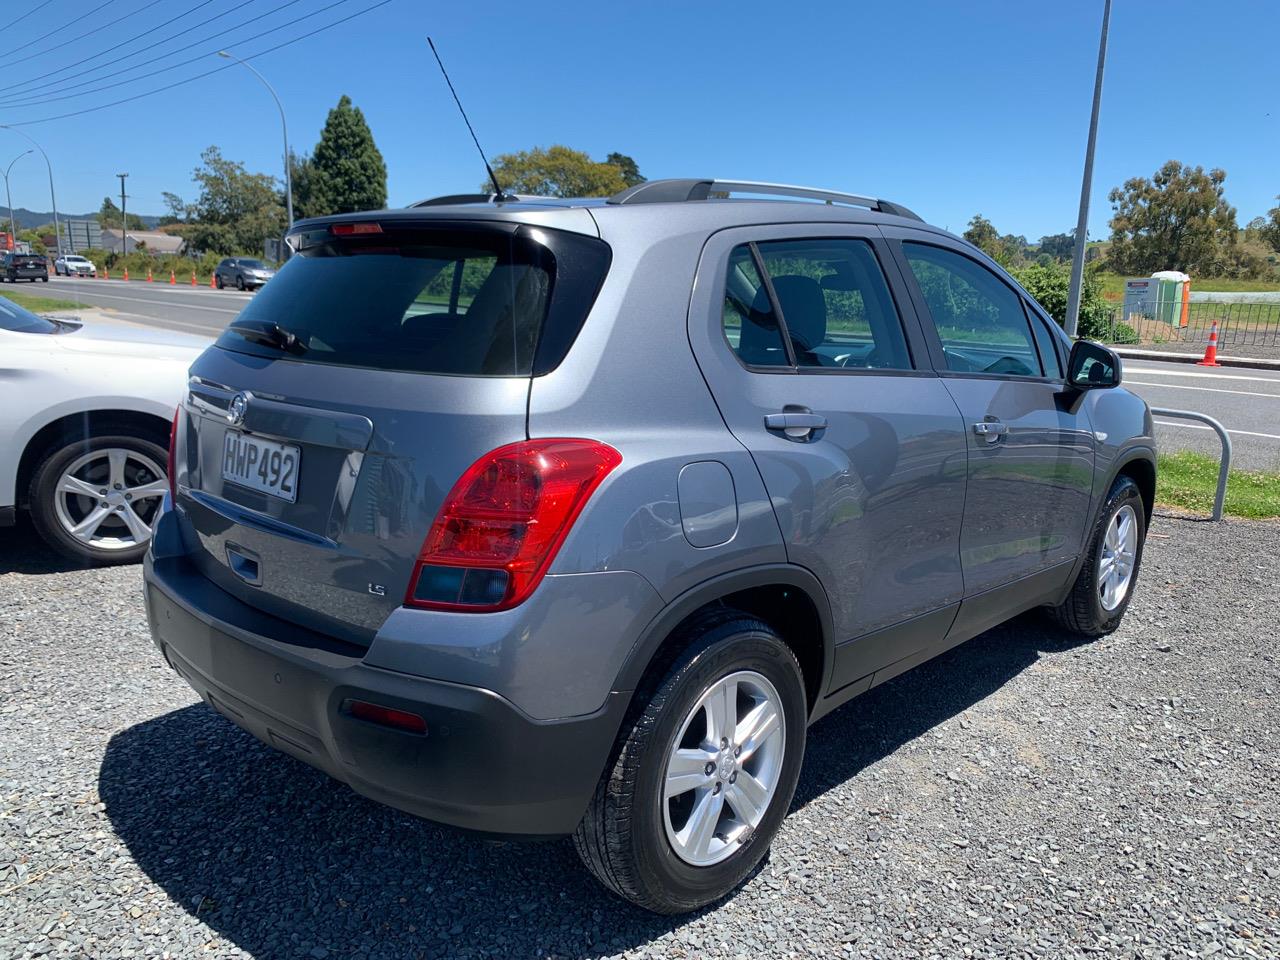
85 418
74 265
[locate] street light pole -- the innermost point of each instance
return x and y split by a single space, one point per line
288 175
1082 222
124 220
57 228
8 197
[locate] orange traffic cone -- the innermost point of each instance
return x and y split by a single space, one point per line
211 283
1211 351
126 273
149 280
172 279
193 278
106 273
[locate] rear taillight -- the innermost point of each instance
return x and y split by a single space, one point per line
354 229
173 456
502 523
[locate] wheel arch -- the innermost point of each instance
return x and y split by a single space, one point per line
82 425
1139 465
789 598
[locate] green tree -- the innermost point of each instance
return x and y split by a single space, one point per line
1269 229
109 216
629 169
347 173
236 211
557 171
302 170
1058 246
1178 219
1007 250
1049 283
175 209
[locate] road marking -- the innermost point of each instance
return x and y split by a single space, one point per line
1184 386
1152 371
1196 426
160 303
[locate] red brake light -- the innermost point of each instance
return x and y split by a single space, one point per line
500 526
173 456
350 229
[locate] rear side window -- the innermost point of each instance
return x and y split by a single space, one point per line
979 319
836 309
428 300
750 323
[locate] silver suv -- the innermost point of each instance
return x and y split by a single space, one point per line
547 517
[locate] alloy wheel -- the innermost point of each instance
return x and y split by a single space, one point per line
724 768
109 498
1119 557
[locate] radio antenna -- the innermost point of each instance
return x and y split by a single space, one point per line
498 195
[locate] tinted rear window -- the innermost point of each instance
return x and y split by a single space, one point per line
428 300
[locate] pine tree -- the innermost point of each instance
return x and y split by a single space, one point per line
347 171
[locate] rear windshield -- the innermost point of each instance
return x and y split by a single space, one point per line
470 302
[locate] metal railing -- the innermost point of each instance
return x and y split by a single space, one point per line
1240 325
1224 464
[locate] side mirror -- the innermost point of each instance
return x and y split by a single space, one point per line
1093 366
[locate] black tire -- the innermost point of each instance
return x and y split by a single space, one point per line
217 280
622 837
44 279
43 491
240 284
1083 612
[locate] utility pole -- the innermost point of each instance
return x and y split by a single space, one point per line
124 221
1082 222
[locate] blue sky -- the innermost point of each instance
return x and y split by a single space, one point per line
951 108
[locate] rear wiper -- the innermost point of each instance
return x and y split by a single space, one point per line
270 335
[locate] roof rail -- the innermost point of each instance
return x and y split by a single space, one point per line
682 191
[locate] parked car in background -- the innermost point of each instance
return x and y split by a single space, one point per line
85 417
74 265
24 266
242 273
570 516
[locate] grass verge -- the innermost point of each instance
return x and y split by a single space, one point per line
40 304
1188 480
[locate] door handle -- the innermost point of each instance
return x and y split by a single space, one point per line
993 430
795 425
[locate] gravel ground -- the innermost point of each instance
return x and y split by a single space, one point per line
1023 796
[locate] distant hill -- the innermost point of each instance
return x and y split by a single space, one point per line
27 219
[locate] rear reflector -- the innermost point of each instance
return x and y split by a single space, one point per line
351 229
502 523
385 716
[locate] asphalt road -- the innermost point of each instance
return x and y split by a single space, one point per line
1247 401
180 307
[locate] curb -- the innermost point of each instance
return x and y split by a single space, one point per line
1257 363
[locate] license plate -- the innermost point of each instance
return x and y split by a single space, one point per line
262 465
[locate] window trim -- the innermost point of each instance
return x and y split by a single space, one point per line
873 244
930 326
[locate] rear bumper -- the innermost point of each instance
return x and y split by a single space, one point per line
482 765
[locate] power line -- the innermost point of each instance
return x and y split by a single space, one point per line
207 73
61 86
80 36
59 27
174 66
36 80
36 9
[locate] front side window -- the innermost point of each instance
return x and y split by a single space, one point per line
979 319
17 319
836 309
